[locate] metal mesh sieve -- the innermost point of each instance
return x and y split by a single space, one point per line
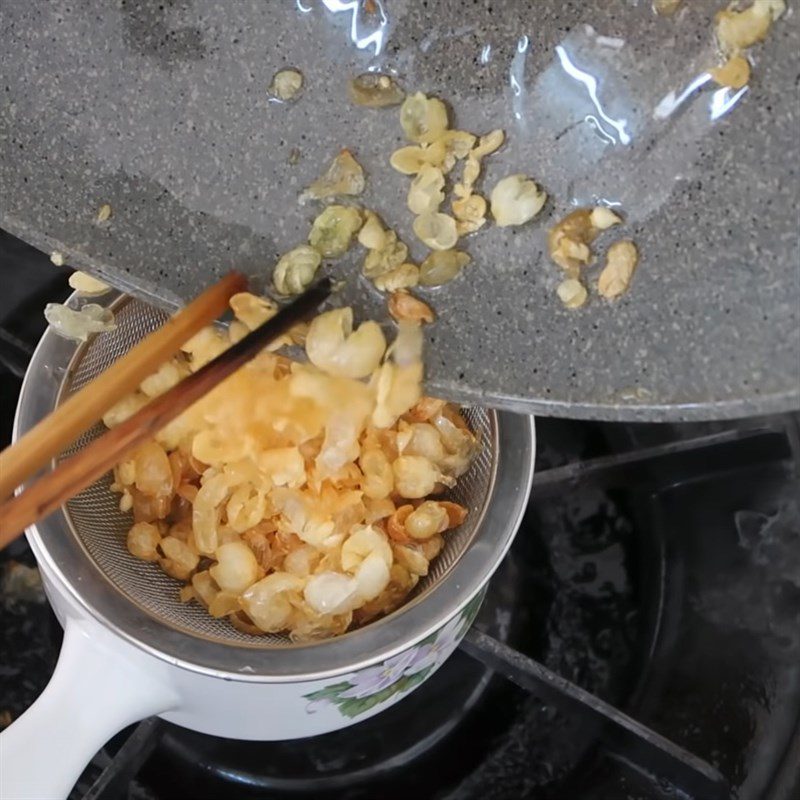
96 520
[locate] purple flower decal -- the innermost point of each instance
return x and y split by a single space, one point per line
375 679
364 690
432 653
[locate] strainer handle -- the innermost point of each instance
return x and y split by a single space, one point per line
95 692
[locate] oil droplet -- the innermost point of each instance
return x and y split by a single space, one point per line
517 79
590 82
375 39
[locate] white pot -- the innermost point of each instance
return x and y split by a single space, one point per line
132 650
102 683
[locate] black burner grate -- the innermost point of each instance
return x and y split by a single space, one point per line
641 641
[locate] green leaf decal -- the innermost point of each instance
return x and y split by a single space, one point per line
329 692
352 707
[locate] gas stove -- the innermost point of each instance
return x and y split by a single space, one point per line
641 640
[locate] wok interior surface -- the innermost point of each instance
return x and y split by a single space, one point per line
162 112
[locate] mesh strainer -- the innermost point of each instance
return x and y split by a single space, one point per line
85 542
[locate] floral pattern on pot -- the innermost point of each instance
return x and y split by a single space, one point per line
367 688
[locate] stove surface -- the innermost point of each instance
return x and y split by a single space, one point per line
657 568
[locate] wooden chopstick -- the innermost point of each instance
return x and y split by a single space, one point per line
93 461
34 450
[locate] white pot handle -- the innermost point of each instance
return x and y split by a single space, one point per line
95 691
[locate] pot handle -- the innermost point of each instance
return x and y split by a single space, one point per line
96 690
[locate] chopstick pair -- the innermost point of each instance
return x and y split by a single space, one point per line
82 410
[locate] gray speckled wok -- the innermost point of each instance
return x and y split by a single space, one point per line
161 110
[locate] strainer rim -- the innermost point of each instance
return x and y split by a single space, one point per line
61 550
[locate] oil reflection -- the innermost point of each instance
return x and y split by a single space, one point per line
671 102
362 41
516 77
723 100
590 82
599 129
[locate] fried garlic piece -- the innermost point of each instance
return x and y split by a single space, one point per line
179 560
603 218
401 582
427 519
459 441
404 307
251 310
236 567
489 144
572 293
375 90
426 194
296 269
124 409
377 470
286 84
398 382
396 528
79 325
332 593
436 230
666 8
426 408
392 254
372 234
333 230
472 171
143 540
738 30
334 347
403 277
204 346
486 145
735 72
415 476
104 213
367 555
442 266
568 242
409 160
620 265
457 143
470 213
423 119
344 176
456 513
87 285
169 374
515 200
268 602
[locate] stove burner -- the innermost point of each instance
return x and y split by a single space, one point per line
381 757
656 568
568 595
441 729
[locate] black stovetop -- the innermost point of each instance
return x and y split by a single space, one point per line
658 567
